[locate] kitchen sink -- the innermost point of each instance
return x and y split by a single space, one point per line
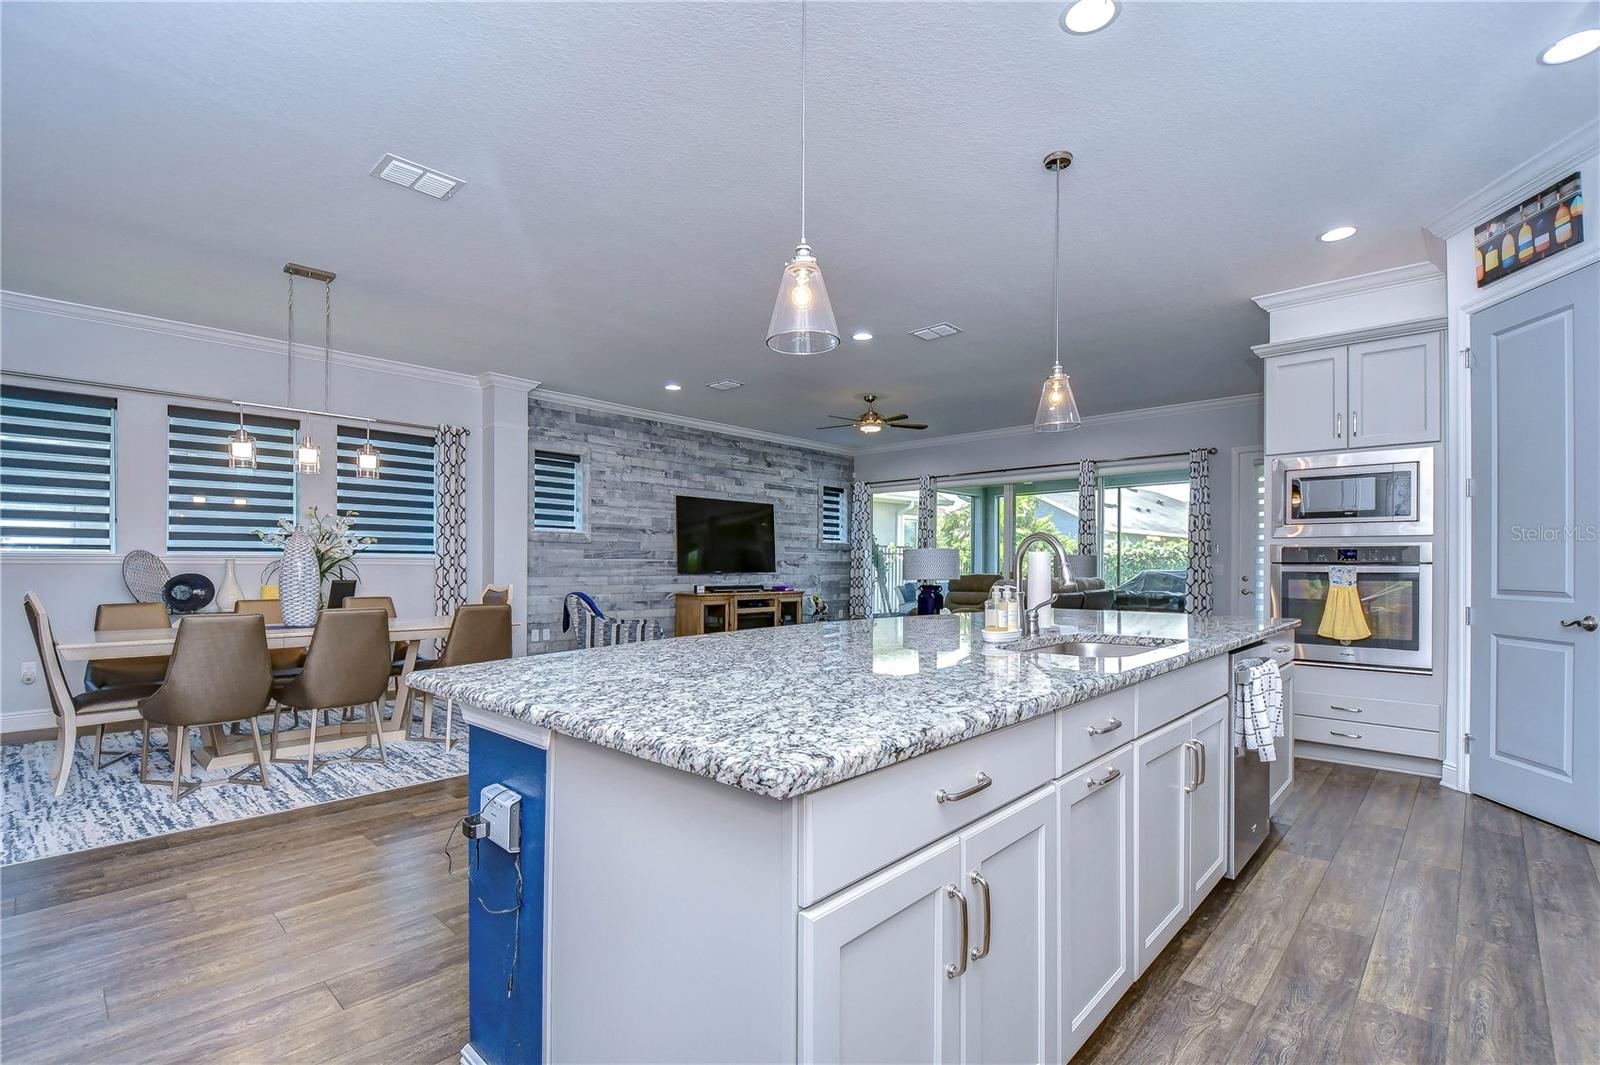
1098 648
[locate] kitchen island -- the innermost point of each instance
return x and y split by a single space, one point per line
864 840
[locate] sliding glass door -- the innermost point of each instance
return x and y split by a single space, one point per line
1144 538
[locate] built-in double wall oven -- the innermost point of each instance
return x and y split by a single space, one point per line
1394 588
1354 494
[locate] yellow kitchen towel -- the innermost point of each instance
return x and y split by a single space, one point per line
1343 618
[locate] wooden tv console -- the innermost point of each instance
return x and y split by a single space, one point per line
702 612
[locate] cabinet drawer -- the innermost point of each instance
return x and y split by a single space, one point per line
1111 716
1367 737
853 828
1171 695
1355 710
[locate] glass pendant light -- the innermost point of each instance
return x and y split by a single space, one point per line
802 319
367 457
307 453
241 447
1058 407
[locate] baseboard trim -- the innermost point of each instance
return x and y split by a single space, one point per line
17 722
1393 763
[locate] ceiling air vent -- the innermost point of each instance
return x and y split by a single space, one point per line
936 332
400 171
724 386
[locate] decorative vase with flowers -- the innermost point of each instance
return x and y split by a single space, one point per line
320 549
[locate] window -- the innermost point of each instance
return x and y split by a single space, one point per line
1145 537
213 508
1046 506
557 491
970 520
56 459
835 522
397 506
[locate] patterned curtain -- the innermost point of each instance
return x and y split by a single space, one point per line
450 519
1198 586
860 549
927 511
1088 508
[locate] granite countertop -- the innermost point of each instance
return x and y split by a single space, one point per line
782 712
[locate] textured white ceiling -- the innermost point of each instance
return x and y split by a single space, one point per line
631 188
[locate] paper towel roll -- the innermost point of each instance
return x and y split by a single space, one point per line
1039 587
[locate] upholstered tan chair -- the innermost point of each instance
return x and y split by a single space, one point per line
386 604
285 660
94 709
347 665
220 672
477 634
496 595
121 617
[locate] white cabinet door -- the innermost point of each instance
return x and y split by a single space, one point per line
872 965
1211 739
1008 993
1280 774
1394 391
1305 402
1161 847
1097 956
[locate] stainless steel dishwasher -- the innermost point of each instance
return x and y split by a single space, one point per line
1250 783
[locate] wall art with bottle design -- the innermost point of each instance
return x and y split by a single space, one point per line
1535 229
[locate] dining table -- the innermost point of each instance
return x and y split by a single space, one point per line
220 749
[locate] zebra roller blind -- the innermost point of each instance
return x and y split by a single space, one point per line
835 526
557 491
397 506
213 508
57 454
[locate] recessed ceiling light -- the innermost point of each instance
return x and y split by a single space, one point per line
861 334
1572 46
724 386
1337 233
673 386
1088 16
427 181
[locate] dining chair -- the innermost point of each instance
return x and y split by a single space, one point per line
73 713
386 604
480 633
121 617
285 660
347 665
220 672
496 595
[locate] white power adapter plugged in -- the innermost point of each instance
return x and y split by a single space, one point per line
501 810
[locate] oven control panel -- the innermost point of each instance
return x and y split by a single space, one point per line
1354 555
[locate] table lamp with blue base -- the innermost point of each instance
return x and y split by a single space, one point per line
928 566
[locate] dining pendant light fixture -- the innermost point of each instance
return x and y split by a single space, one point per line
241 447
307 452
368 458
1058 407
802 319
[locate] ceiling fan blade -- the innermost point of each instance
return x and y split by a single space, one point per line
895 417
841 425
842 418
907 425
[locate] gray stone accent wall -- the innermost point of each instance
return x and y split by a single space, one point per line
633 470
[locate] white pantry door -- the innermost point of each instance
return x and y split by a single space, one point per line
1535 720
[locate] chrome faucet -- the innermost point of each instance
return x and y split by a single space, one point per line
1030 616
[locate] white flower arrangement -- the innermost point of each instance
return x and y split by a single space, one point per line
332 538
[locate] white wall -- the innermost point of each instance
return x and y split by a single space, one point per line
67 340
1226 424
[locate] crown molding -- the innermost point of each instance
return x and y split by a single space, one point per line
1171 410
1360 284
22 301
565 399
1520 182
493 379
1354 336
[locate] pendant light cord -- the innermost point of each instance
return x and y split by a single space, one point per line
802 121
327 345
1055 277
289 350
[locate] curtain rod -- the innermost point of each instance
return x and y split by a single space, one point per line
1050 466
196 398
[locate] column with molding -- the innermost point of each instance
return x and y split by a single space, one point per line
502 504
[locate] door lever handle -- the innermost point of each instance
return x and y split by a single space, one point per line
1587 623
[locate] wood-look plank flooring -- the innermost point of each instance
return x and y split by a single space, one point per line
1387 920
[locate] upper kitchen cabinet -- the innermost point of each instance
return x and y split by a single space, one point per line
1394 391
1368 393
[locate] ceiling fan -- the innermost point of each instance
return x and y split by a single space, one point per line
870 421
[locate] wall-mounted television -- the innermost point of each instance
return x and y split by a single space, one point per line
725 536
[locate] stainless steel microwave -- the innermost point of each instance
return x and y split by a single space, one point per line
1355 493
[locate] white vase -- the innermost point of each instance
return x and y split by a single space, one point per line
299 581
229 593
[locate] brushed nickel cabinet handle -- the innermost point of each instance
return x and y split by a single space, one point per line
1346 735
952 970
965 793
1111 725
1193 774
1103 781
978 953
1355 424
1346 709
1338 425
1200 760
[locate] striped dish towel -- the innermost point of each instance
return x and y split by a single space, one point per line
1259 707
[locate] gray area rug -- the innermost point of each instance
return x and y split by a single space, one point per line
105 807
